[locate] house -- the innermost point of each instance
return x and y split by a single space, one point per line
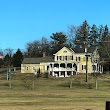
65 63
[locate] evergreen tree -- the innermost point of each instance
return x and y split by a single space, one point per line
58 41
17 58
104 42
100 33
93 38
7 60
81 37
106 32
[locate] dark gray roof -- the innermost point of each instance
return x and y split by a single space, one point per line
82 50
37 60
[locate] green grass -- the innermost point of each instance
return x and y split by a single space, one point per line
54 93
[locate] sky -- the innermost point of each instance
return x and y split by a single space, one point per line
23 21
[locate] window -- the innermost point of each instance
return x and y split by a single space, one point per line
60 57
83 67
57 57
68 73
27 68
62 73
93 67
77 58
47 67
65 51
65 57
33 68
71 57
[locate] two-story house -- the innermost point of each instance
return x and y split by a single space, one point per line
65 63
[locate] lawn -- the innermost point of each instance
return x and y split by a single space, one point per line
54 93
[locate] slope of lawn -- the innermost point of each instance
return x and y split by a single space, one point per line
54 93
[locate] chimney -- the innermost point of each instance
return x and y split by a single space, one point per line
85 50
44 55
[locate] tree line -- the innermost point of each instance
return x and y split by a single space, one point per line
77 38
11 59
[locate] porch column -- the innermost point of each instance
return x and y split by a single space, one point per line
59 73
65 70
49 69
52 69
72 66
77 71
66 74
98 67
102 68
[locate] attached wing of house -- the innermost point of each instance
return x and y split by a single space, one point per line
31 65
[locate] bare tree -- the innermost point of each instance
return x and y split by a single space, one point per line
34 49
105 47
8 56
37 48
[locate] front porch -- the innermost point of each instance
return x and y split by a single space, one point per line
62 69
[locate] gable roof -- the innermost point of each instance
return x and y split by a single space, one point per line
37 60
70 50
95 54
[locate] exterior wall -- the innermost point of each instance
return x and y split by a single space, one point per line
29 68
82 64
44 67
32 67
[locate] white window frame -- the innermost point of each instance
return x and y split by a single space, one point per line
60 57
84 67
71 57
78 58
57 58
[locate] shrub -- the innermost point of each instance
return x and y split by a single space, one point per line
90 86
46 75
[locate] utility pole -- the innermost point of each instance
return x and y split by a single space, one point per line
86 62
33 83
86 55
86 68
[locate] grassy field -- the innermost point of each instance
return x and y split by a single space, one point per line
54 93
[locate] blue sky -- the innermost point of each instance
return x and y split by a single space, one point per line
23 21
